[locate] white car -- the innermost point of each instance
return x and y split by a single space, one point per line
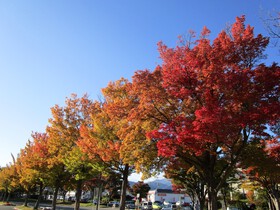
165 203
113 204
147 205
169 207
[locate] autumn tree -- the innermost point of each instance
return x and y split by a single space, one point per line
112 183
4 183
140 188
64 132
32 166
117 104
185 178
27 185
122 107
261 165
82 168
219 98
100 142
272 25
118 136
7 181
272 183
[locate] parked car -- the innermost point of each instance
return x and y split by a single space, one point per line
187 208
157 205
173 205
169 206
147 205
113 204
130 204
182 204
84 200
71 198
232 208
165 203
179 203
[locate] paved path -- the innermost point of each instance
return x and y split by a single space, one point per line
58 207
7 207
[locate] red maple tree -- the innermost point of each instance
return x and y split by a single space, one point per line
223 97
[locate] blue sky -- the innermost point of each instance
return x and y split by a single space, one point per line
52 48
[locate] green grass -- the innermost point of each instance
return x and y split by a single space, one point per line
21 207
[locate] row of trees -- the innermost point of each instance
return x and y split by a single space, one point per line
205 111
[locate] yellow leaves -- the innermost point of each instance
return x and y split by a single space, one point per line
118 133
191 170
115 91
64 130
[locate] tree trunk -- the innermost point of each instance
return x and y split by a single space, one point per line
212 196
8 198
201 199
201 203
270 206
192 197
225 198
55 197
99 194
276 204
26 199
124 186
275 201
39 197
64 195
78 194
4 196
200 196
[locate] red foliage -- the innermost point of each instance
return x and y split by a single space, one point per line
221 89
273 149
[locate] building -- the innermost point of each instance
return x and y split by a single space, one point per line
168 196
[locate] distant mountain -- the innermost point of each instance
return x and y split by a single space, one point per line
158 183
131 183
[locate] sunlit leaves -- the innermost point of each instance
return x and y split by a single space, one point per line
221 88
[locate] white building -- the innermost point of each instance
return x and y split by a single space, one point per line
168 196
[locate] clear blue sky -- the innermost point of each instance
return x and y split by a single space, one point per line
52 48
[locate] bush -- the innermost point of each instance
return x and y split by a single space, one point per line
104 200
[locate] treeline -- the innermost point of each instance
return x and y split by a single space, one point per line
210 107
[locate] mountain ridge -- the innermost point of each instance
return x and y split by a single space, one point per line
157 184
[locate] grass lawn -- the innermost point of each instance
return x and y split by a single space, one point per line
58 203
